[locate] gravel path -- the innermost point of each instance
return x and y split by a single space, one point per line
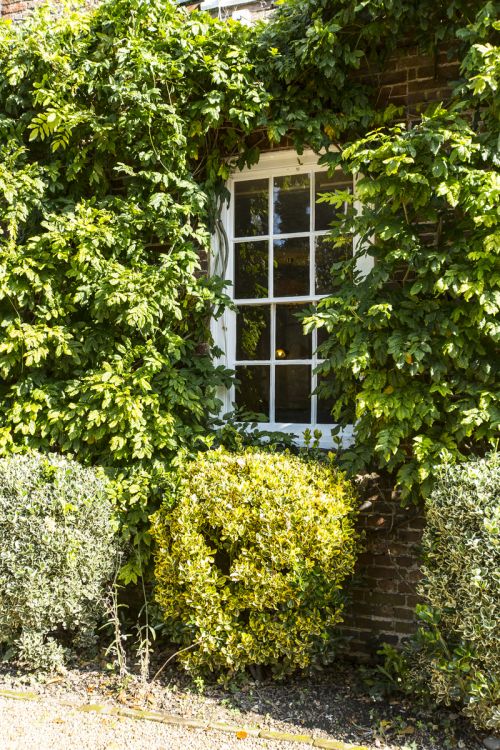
50 726
335 705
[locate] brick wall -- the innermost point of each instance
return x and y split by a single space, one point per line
383 590
412 78
17 9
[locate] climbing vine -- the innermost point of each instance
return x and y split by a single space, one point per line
118 128
412 354
115 129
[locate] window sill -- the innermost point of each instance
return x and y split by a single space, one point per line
325 442
214 4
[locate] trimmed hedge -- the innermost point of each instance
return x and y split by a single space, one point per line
251 558
56 556
459 656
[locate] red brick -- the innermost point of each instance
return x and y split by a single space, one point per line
404 613
16 8
412 61
405 628
412 600
426 71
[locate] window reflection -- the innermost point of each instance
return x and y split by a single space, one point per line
325 403
293 393
292 204
253 333
290 337
252 392
324 212
251 261
291 267
251 208
326 255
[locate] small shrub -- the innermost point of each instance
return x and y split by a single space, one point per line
56 555
251 558
458 653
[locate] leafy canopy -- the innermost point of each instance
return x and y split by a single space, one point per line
412 351
118 127
115 128
316 50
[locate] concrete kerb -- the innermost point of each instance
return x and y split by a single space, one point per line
166 718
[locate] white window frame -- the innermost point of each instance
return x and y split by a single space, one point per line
219 4
270 165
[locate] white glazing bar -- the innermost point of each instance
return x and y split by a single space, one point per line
264 237
254 238
282 300
311 233
229 315
282 362
314 398
270 228
272 404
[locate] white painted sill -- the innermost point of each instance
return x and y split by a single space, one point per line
213 4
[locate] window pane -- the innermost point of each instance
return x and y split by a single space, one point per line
324 212
293 393
291 267
252 392
326 256
291 343
253 333
251 261
251 208
325 405
292 204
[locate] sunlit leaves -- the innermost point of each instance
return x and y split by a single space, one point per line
115 128
252 550
412 347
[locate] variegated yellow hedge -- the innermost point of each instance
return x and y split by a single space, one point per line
251 559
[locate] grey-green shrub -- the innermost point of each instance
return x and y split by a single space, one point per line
252 550
56 556
459 644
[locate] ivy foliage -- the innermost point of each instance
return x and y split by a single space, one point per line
118 127
115 128
316 50
412 355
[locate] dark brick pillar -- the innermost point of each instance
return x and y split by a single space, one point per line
383 591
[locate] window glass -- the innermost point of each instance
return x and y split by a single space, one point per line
293 393
251 262
270 269
291 267
322 335
325 213
253 332
291 343
292 204
324 406
326 254
251 208
252 391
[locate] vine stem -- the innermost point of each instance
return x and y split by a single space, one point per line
170 658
